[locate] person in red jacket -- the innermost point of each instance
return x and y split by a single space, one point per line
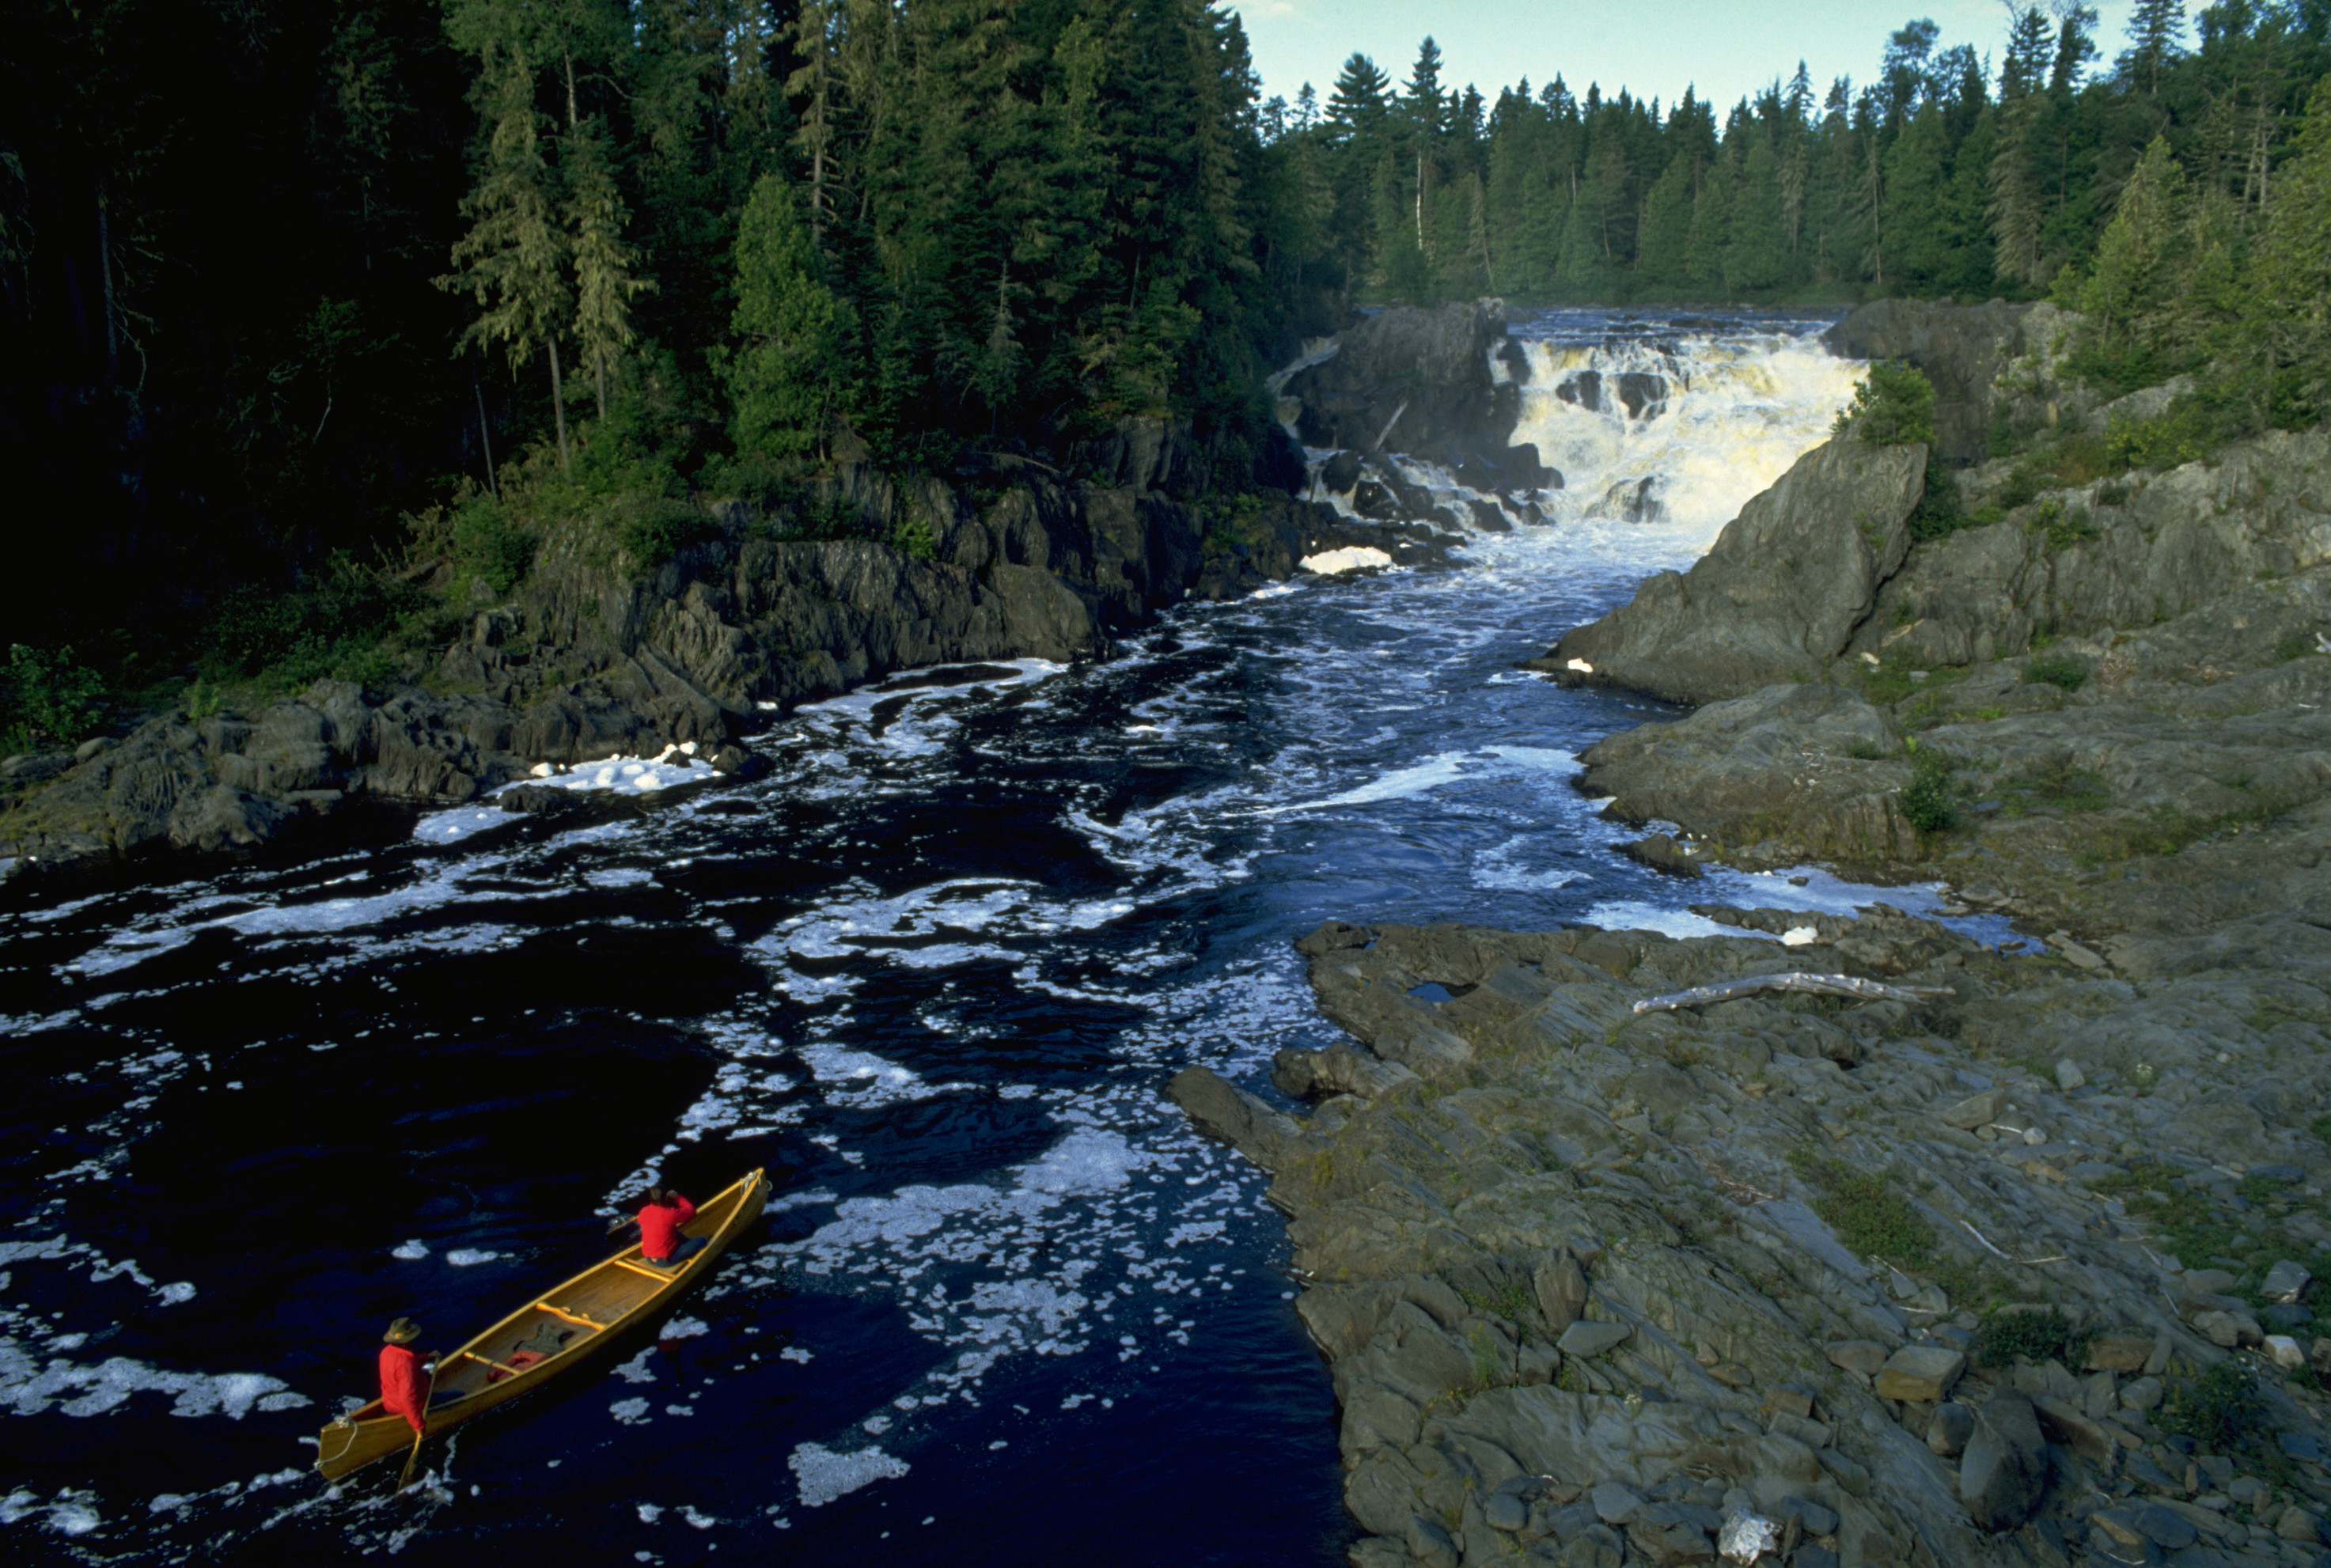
660 1242
404 1375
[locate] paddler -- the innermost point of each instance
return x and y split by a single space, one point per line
405 1373
660 1242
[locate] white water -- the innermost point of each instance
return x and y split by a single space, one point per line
1738 410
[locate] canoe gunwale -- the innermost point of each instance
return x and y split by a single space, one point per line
744 1198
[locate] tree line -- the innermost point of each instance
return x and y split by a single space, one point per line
1957 171
277 274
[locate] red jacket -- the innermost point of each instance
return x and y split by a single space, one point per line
403 1386
660 1227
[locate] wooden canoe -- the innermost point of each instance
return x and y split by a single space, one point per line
555 1333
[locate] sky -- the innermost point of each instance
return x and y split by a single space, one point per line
1724 49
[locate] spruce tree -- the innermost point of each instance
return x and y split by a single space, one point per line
2156 33
2289 312
604 283
2132 295
513 261
785 330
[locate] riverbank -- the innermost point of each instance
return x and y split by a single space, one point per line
596 654
1595 1282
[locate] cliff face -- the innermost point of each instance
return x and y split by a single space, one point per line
1419 381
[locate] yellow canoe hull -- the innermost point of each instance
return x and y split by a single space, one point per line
586 1313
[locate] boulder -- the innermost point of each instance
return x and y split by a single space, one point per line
1919 1371
1948 1428
1223 1110
2004 1469
1660 852
1586 1340
1778 595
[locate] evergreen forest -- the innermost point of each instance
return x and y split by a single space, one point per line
294 295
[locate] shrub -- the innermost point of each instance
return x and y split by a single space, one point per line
1868 1216
55 694
2003 1336
654 533
337 629
487 547
1939 510
2063 526
2059 670
1927 803
2221 1410
913 535
1893 405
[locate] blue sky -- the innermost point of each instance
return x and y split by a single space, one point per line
1655 48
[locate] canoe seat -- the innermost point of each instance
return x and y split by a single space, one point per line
651 1271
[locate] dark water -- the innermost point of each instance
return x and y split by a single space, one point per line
933 973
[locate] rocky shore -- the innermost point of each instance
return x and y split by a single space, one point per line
594 658
2008 1263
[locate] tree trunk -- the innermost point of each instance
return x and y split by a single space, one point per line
105 281
600 364
486 437
558 404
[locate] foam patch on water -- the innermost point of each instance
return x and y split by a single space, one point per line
29 1388
1440 771
1634 915
825 1473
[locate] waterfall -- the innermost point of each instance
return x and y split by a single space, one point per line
1665 428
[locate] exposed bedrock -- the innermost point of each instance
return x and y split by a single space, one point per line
1418 380
1592 1282
1779 594
1962 349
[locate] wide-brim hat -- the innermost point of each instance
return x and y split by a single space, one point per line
404 1330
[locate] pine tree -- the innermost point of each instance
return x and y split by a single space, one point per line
2157 34
2289 312
2132 295
513 261
604 286
1756 252
785 329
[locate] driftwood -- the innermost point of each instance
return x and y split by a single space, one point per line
1814 985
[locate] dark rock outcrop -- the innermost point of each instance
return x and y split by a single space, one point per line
1780 594
591 661
1962 350
1419 381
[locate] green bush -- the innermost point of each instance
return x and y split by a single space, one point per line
487 547
1868 1216
2221 1410
1927 803
1893 405
337 629
53 694
2060 670
913 536
1939 510
658 530
2003 1336
2063 525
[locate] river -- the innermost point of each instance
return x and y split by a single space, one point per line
932 973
